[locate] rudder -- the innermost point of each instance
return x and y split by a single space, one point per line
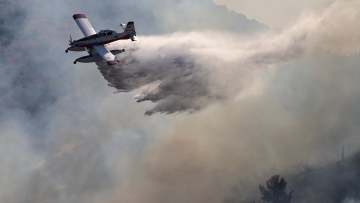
130 27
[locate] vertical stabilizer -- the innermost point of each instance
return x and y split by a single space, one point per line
130 27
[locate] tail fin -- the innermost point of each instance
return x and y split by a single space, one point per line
130 27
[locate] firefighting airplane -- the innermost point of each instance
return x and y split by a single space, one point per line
95 43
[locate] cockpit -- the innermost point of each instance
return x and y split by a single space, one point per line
105 32
102 33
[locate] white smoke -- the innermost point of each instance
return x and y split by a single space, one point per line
275 13
73 142
187 71
350 201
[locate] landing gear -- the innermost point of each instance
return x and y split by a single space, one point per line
74 62
67 50
123 50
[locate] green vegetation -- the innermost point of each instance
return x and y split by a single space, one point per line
275 191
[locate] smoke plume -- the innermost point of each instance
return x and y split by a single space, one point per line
268 101
188 71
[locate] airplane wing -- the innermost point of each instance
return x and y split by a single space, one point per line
106 54
84 24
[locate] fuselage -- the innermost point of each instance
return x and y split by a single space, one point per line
103 37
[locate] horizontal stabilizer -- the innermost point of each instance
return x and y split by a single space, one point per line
123 25
133 38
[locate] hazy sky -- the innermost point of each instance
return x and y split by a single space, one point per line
275 13
229 98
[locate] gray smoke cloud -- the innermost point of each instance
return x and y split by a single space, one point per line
303 118
65 137
305 114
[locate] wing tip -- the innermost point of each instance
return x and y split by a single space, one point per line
113 62
76 16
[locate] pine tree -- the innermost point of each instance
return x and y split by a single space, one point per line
275 191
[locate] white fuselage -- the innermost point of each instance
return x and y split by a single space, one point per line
103 37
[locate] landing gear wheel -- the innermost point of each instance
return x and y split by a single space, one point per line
74 62
66 51
123 50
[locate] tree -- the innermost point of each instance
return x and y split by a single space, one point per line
275 191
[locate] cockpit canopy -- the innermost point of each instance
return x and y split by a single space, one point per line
105 32
102 33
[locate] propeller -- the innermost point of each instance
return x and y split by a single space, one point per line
70 39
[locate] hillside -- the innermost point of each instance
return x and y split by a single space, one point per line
335 182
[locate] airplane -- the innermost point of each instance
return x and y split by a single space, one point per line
96 43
